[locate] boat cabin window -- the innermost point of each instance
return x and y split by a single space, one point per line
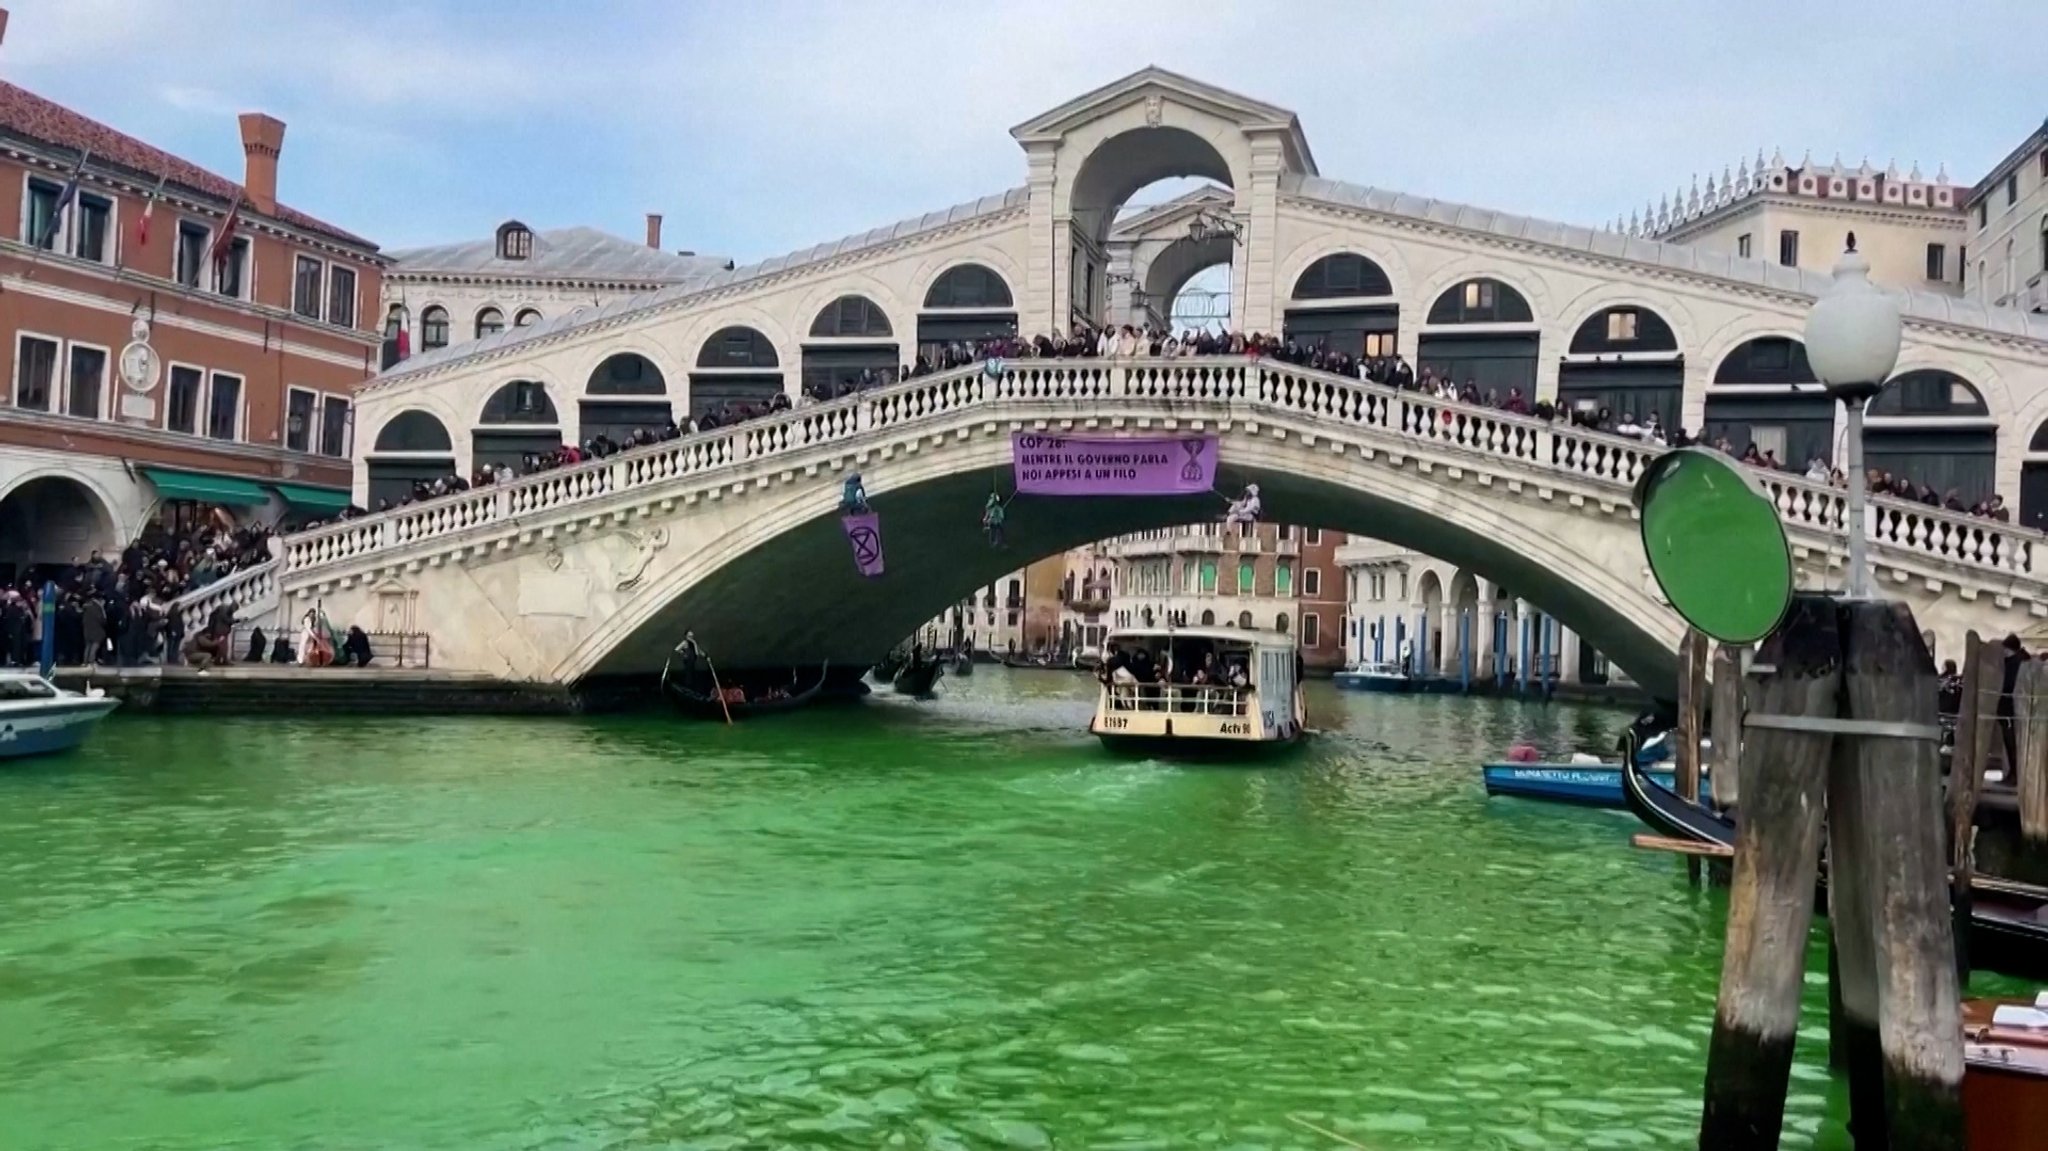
16 690
1180 673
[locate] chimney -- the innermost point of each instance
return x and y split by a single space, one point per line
654 230
262 139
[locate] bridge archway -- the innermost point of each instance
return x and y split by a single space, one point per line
1345 302
1764 394
517 420
1934 428
626 393
736 365
1624 358
53 519
1482 330
412 447
1185 261
850 340
966 303
1114 171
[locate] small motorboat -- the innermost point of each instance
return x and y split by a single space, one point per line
39 718
918 678
1594 783
699 705
1375 677
2005 1073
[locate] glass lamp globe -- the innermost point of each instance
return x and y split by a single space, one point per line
1853 332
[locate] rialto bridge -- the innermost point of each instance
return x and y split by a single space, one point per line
598 569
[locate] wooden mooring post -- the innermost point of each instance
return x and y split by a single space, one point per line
2030 721
1770 899
1888 893
1692 698
1724 720
1976 720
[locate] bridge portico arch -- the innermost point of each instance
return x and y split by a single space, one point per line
1089 155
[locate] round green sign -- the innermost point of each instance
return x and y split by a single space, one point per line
1715 544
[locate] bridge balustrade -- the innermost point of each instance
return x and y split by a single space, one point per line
1250 386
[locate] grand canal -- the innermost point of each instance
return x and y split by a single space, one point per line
949 925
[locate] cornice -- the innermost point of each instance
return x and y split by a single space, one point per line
1902 214
396 276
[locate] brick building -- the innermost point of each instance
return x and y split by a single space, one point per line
145 371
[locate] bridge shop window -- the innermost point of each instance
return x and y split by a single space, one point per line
413 447
1337 304
1493 359
966 304
1933 428
1764 394
625 393
1626 360
518 420
850 345
736 367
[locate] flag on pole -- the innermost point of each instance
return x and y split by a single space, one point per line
222 243
148 213
64 199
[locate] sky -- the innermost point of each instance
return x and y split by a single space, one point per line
763 126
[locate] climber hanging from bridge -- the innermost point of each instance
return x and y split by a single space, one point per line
992 514
1246 508
853 496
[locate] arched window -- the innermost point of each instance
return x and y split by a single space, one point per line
489 322
626 374
1929 392
1280 623
969 286
394 321
1208 619
1624 328
1244 619
519 402
526 318
433 328
1341 275
515 241
2044 243
851 317
1766 360
1481 301
414 431
737 347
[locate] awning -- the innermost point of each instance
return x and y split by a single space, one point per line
207 487
312 499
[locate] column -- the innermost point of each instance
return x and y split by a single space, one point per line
1043 292
1569 651
1523 653
1252 289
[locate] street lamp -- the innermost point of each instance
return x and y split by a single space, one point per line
1852 343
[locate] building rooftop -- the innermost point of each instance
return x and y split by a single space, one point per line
2036 140
1863 185
29 117
560 254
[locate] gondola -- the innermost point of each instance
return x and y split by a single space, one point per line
2006 932
918 678
1029 663
962 663
889 665
699 706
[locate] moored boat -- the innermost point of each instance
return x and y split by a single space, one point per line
1231 692
1580 784
962 663
918 677
699 705
39 718
1375 677
2005 1074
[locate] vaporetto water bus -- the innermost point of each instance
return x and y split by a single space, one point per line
1198 691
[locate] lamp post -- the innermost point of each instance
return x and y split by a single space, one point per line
1852 343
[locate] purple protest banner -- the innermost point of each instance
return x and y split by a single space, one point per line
864 532
1113 465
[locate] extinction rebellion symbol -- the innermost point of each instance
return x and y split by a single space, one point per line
867 547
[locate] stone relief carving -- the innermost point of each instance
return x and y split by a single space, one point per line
553 558
1155 111
645 544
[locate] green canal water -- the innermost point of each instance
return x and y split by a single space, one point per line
949 925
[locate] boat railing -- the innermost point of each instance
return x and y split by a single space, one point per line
1185 699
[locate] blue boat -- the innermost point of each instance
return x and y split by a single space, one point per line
1579 784
1377 677
39 718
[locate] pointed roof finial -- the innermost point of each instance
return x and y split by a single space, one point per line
1777 160
1914 175
1941 175
1806 160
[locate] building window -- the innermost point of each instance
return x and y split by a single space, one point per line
88 382
2044 243
334 427
230 272
1311 629
298 420
1937 261
1244 619
224 407
341 297
1742 245
306 287
1280 623
1246 574
433 328
1621 325
1286 531
91 218
1283 578
1378 345
1788 248
1310 537
526 318
2012 189
1311 582
39 223
35 372
181 401
1208 577
1478 295
515 242
489 322
1983 214
192 241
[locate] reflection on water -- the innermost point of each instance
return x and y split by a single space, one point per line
949 924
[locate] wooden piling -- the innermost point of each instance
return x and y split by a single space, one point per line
1889 883
1770 900
1976 715
2030 718
1725 720
1692 675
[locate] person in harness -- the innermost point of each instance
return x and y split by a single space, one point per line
1246 508
992 520
853 496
